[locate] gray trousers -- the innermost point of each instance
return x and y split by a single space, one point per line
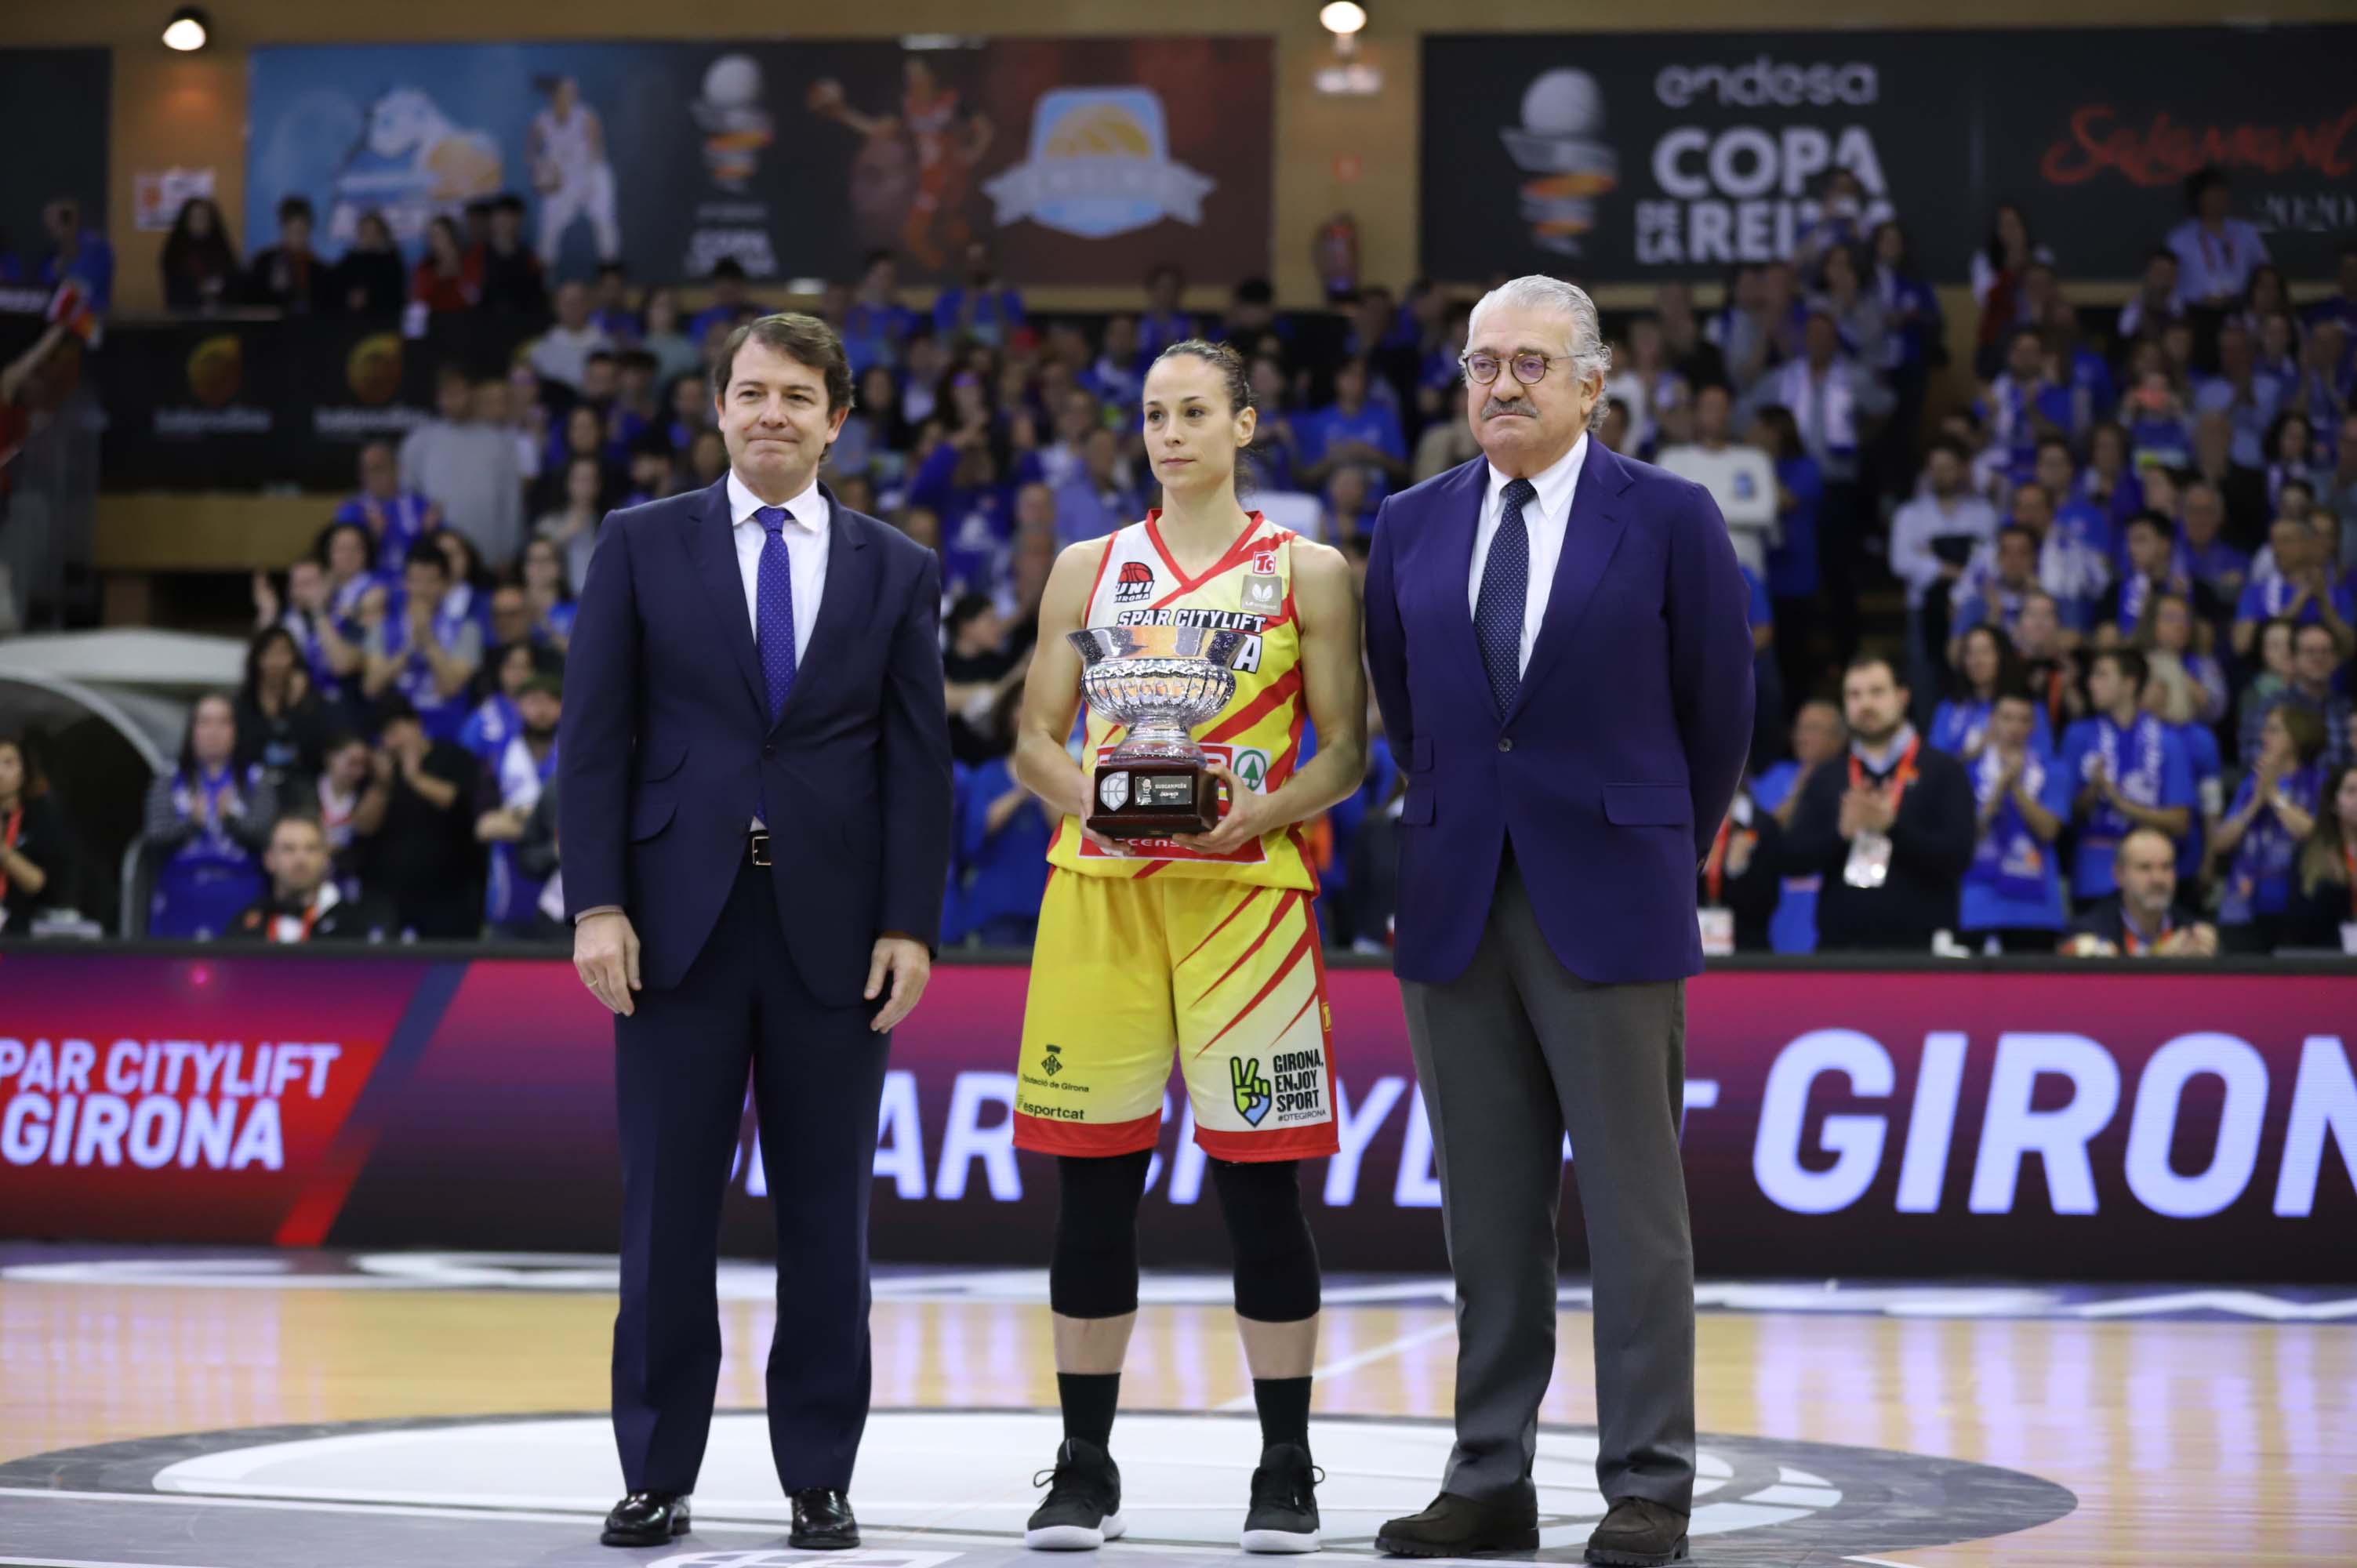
1512 1053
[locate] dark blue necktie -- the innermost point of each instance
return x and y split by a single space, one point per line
773 623
1505 591
773 619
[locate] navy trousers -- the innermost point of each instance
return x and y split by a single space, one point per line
680 1064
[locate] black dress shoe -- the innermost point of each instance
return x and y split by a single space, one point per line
647 1519
1461 1526
1639 1534
822 1521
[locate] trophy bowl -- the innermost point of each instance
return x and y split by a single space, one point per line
1159 683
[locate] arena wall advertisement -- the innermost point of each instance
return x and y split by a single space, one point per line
1084 161
247 403
2098 1124
1622 154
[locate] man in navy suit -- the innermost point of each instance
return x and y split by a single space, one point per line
754 781
1558 644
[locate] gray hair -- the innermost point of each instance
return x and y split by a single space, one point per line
1586 345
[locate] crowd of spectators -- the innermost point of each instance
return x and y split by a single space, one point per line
2118 718
2126 567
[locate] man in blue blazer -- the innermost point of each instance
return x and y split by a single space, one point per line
754 777
1558 643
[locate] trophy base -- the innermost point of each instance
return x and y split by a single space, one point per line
1155 800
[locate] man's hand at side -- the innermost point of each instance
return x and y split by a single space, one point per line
606 955
901 960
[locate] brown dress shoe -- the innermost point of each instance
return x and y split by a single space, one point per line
1461 1526
1639 1534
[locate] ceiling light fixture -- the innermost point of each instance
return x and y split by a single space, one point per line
188 30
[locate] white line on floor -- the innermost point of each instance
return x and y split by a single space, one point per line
1351 1363
1878 1562
522 1516
289 1505
81 1562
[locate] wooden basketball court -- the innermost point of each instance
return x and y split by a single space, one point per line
198 1412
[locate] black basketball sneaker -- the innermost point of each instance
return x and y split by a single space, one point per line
1083 1508
1283 1514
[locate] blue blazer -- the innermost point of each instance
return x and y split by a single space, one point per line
1621 753
664 745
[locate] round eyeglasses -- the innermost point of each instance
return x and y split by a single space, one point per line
1529 369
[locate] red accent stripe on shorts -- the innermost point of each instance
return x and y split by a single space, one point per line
1275 918
1310 1140
1325 1018
1046 1135
1308 944
1222 926
1301 848
1315 996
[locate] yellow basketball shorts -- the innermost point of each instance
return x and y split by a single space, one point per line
1128 971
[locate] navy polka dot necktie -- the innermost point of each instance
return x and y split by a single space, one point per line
773 624
1505 591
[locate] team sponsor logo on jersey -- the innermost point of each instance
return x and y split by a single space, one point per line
1300 1094
1215 620
1265 563
1247 660
1252 1091
1264 594
1051 1076
1135 584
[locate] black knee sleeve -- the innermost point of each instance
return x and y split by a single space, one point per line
1276 1262
1093 1271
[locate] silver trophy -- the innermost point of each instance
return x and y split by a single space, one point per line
1159 683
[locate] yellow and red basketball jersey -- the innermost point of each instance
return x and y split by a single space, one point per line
1258 735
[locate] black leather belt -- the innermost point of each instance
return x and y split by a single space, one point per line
757 847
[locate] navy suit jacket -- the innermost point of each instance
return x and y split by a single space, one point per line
665 742
1622 750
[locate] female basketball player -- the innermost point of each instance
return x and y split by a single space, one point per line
1204 946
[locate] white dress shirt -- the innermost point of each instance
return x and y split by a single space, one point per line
1547 518
806 539
807 544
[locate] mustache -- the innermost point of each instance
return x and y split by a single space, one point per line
1492 407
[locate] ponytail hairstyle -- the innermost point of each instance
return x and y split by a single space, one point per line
1223 359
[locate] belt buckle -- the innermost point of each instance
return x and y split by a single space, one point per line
759 846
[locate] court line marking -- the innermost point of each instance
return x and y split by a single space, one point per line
1878 1562
82 1562
290 1505
740 1280
522 1516
1424 1336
